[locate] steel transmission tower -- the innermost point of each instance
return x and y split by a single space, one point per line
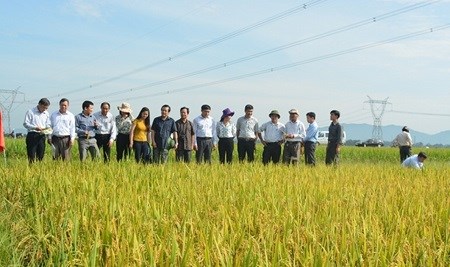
377 107
7 99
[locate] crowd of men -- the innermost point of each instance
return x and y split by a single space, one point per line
151 142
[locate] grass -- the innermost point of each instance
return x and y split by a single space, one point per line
366 212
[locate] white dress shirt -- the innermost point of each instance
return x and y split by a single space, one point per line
34 118
63 124
226 130
106 124
247 127
272 132
296 128
204 127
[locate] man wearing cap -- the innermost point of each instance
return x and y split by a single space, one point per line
415 161
162 127
85 125
404 141
106 131
273 138
63 136
124 121
226 131
295 132
205 135
247 131
37 122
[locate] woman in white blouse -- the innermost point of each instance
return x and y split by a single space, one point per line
226 131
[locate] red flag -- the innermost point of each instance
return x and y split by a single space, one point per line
2 134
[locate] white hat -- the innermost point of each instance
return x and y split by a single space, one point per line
125 107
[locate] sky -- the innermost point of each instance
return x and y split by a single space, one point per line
231 53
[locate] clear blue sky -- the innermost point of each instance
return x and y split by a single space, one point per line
60 49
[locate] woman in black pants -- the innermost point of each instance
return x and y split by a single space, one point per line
123 123
226 131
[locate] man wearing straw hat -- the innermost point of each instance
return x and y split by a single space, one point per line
273 138
124 122
295 132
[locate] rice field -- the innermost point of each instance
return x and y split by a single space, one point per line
366 212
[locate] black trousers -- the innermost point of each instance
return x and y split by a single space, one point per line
123 146
272 151
102 143
332 157
405 152
204 149
35 146
310 153
226 147
246 147
183 155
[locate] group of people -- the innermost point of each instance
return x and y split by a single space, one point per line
151 142
404 142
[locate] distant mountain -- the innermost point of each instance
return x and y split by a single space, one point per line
364 131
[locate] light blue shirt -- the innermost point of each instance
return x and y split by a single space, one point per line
312 132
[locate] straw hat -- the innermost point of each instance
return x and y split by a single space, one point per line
125 107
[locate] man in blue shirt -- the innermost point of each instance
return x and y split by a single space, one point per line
85 126
310 139
162 127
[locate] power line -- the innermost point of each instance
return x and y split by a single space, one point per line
299 63
261 23
358 24
420 113
157 28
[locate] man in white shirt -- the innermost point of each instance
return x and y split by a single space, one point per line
295 132
415 161
106 131
205 135
404 141
273 138
37 122
63 136
247 131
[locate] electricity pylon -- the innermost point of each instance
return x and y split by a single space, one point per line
7 99
377 107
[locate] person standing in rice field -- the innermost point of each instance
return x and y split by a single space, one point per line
140 136
226 131
37 121
334 139
124 121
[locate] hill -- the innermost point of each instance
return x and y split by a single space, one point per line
364 131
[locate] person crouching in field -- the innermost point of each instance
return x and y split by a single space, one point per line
273 138
415 161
